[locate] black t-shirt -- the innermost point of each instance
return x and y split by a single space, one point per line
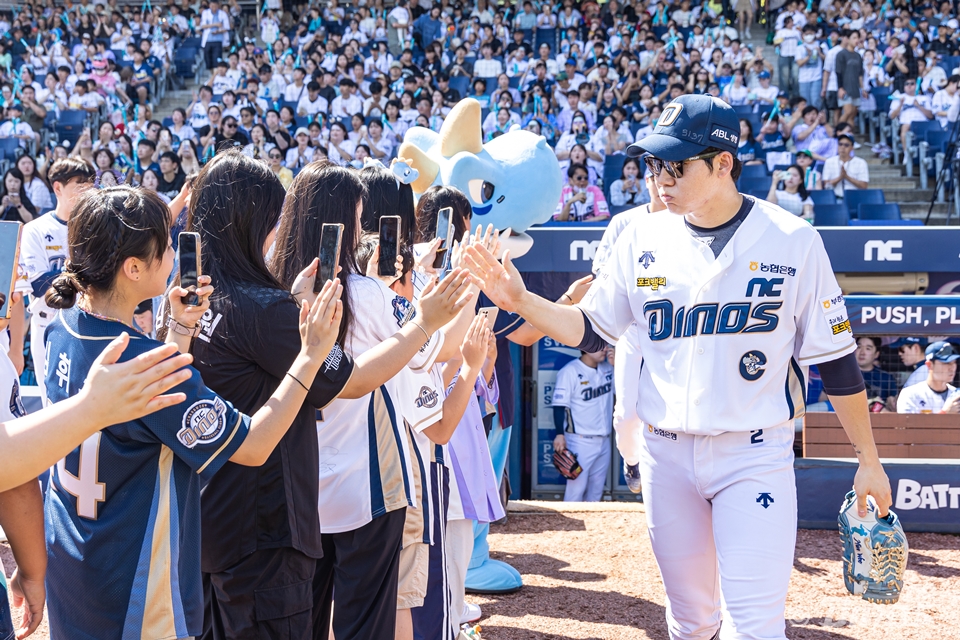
171 188
222 142
281 133
243 352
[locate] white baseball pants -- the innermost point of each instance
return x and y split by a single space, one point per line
593 454
626 382
722 517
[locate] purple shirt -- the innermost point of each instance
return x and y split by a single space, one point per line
470 455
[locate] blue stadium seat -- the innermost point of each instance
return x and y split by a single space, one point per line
612 167
755 184
546 35
823 196
831 215
754 171
168 122
853 198
874 211
744 110
461 84
759 194
9 148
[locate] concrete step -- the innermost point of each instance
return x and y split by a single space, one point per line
905 195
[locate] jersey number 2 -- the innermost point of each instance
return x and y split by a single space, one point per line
84 486
755 436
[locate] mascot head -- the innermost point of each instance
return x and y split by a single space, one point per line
512 181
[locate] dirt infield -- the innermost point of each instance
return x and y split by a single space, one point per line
589 574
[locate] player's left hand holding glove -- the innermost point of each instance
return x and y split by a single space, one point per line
874 551
871 480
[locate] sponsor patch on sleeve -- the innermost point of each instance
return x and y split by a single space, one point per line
835 314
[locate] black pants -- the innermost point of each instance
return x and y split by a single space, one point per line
361 569
268 594
212 54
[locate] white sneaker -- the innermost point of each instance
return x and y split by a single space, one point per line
471 613
748 33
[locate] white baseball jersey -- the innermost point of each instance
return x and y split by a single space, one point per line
920 398
587 394
917 376
43 252
755 317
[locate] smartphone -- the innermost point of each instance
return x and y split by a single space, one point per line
490 313
444 229
330 236
389 245
9 262
188 250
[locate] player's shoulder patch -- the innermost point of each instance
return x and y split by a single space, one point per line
835 315
203 423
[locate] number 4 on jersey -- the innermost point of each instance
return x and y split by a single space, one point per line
84 486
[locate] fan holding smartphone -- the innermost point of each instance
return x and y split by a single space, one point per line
191 298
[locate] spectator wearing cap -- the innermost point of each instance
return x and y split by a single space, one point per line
913 356
845 170
766 94
812 179
16 127
302 154
910 106
937 394
312 103
879 383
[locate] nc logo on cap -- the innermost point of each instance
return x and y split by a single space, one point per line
670 114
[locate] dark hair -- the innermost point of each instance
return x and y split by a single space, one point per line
106 227
65 170
236 203
101 150
744 121
635 162
802 189
429 205
322 192
385 197
24 199
876 341
576 166
734 170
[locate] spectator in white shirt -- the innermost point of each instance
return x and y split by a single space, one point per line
845 170
15 127
788 38
910 107
221 82
944 99
294 91
312 103
215 25
302 154
487 67
346 104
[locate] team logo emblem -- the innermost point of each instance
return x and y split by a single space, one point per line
765 500
16 404
669 114
204 422
751 365
646 259
403 311
428 398
754 266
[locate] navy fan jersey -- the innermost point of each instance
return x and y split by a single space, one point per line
122 511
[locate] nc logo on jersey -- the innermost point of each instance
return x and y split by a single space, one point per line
204 422
751 365
428 398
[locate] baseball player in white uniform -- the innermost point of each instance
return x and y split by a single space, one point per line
934 394
44 251
583 414
739 301
626 367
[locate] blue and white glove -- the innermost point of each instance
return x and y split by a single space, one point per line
874 552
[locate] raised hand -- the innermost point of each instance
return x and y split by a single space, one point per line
474 346
440 301
320 321
185 314
500 282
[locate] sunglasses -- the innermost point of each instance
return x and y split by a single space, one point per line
274 157
580 178
674 168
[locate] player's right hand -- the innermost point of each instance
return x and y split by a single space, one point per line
500 282
116 393
559 443
872 480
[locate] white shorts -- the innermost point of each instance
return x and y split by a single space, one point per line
722 516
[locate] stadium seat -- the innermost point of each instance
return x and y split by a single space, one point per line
853 198
168 122
755 184
612 167
461 84
754 171
831 215
759 194
885 211
823 196
743 110
916 133
546 35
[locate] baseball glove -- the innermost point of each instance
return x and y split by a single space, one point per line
566 463
874 552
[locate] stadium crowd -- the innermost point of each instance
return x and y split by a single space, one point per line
289 85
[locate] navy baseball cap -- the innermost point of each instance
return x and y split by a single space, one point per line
688 126
942 352
902 342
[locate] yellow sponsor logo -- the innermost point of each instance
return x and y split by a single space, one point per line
654 283
754 266
841 327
